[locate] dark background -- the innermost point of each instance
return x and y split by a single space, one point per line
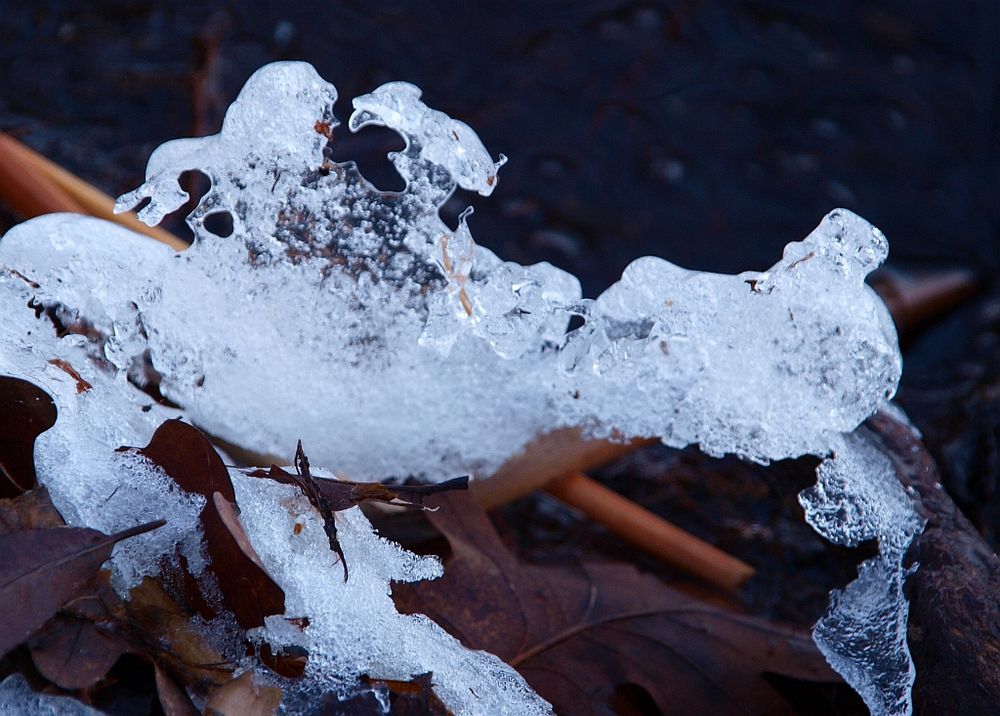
709 133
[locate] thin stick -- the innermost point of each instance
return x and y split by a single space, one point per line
46 178
650 532
546 458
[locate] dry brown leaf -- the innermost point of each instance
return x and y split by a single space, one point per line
32 510
43 569
173 698
188 457
74 653
26 411
168 630
244 697
580 637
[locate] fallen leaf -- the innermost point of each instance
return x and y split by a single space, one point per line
166 629
26 411
190 460
580 636
32 510
173 699
188 457
80 645
43 569
74 653
329 496
244 697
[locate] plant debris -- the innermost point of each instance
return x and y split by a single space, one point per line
579 636
188 457
330 496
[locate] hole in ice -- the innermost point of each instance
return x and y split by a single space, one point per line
368 149
196 184
219 223
574 323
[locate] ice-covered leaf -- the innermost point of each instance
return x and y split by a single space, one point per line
26 411
579 635
189 459
42 569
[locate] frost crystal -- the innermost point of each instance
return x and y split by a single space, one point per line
393 345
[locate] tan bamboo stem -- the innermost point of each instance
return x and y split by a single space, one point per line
25 190
650 532
44 178
546 458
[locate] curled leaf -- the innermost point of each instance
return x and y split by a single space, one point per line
188 457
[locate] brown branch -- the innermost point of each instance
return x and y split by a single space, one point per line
24 189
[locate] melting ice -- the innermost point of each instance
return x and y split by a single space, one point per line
393 345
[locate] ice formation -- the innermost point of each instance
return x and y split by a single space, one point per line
354 627
393 345
17 698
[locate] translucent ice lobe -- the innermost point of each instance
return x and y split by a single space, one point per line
432 135
767 365
278 121
863 634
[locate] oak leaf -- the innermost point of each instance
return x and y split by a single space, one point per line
43 569
584 637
